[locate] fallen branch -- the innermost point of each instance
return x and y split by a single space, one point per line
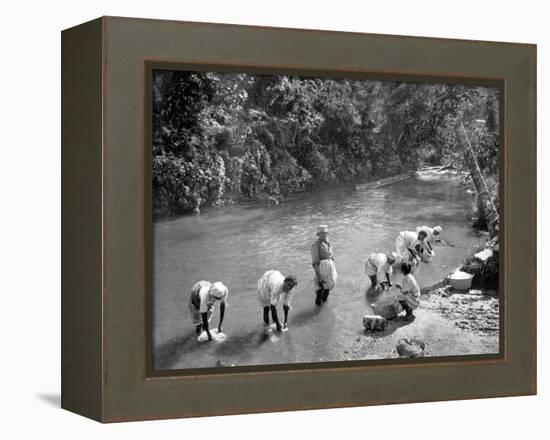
449 165
443 167
383 182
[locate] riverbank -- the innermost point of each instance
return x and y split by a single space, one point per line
449 323
275 196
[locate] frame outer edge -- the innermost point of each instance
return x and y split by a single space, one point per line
81 213
533 233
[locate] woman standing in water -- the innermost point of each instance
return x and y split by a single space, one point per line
322 260
203 298
409 245
271 286
432 235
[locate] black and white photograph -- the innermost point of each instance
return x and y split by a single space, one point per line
302 219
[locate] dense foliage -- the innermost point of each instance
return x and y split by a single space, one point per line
220 138
485 272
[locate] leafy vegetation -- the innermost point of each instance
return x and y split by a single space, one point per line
485 272
220 138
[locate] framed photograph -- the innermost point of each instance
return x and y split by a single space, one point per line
262 219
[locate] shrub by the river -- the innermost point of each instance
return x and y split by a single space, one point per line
180 185
485 272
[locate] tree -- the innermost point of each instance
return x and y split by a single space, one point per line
224 136
487 214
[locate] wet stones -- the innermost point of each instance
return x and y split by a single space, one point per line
410 348
374 323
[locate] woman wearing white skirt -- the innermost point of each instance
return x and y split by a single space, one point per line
322 260
271 287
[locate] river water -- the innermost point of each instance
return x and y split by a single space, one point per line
237 244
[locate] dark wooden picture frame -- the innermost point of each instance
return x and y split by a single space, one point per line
106 212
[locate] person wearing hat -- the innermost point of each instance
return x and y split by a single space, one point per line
379 268
410 245
203 298
322 260
271 286
432 234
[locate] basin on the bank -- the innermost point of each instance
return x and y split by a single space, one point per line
461 280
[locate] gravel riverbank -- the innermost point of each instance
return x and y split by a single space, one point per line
448 322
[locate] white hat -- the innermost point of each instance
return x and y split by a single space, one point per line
322 228
438 229
219 290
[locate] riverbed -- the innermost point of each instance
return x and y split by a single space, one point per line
237 244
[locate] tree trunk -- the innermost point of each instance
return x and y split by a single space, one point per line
487 213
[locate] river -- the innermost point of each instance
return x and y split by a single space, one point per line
237 244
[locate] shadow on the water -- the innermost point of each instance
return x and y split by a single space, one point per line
242 343
167 354
372 294
304 316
